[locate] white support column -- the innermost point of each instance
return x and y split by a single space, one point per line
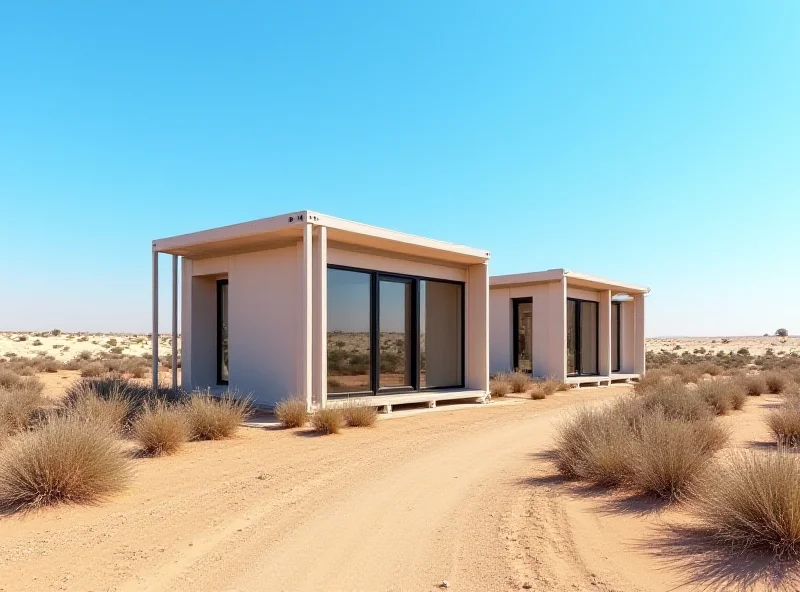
174 321
155 318
477 329
560 338
305 342
320 316
604 334
638 335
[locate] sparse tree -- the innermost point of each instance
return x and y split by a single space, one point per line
783 334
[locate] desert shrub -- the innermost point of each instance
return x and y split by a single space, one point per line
93 370
717 394
111 412
139 395
9 378
498 388
752 500
292 413
648 380
551 385
37 342
20 406
519 382
670 454
212 418
707 367
687 373
595 444
754 384
329 420
676 401
357 416
776 382
63 461
50 366
784 422
161 429
538 392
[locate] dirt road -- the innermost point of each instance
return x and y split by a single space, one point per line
463 496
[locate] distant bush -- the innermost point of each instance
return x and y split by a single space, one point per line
55 332
20 405
111 412
776 382
37 343
754 384
93 370
8 378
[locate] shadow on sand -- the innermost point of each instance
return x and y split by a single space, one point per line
707 564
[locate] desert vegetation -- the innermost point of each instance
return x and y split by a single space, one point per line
292 413
329 420
77 449
523 383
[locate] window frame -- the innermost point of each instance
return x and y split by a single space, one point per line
618 329
579 338
220 380
515 302
374 315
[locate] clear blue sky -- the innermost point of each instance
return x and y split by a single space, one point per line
657 143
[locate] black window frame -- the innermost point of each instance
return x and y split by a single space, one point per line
374 312
618 329
578 337
515 302
220 381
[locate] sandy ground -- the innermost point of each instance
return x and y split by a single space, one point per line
463 495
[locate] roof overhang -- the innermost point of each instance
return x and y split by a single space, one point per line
288 229
574 279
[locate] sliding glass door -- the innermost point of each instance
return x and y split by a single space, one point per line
393 333
582 337
396 333
615 336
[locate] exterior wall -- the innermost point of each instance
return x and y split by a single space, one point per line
604 333
549 328
627 327
638 336
477 328
263 292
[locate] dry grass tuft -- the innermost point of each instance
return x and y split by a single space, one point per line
538 392
111 413
498 388
784 422
650 379
676 401
777 382
329 420
93 370
161 429
64 461
213 418
292 413
752 500
671 454
518 382
754 384
20 406
9 379
595 444
360 416
717 394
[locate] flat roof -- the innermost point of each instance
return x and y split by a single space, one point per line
574 278
287 228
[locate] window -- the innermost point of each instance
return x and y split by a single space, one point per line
223 367
349 336
616 320
393 333
582 332
523 334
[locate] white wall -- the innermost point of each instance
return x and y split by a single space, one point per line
549 328
262 323
627 327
